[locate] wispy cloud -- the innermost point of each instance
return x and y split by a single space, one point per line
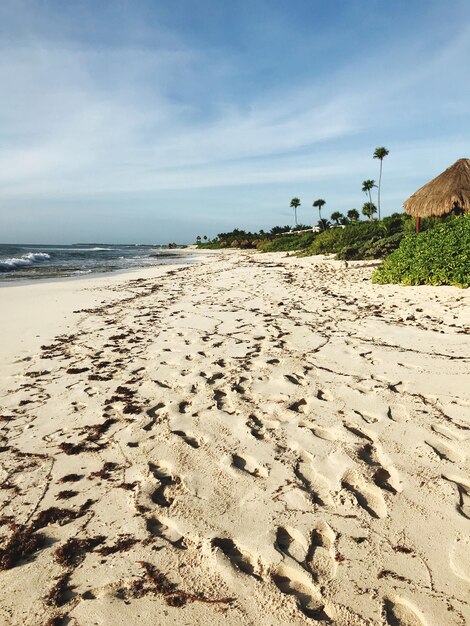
82 119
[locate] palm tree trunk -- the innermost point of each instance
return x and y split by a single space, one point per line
295 215
380 182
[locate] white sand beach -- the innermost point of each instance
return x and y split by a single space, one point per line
249 440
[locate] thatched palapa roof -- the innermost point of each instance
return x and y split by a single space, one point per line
450 190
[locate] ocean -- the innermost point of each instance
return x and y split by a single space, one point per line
48 261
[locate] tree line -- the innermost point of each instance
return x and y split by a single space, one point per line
369 209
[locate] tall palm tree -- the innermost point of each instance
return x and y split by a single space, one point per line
380 153
294 203
318 204
367 186
336 216
353 215
369 209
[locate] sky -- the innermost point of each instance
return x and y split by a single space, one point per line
148 121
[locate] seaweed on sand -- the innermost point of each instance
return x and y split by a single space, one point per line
156 582
74 550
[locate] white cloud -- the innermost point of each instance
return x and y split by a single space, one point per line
83 121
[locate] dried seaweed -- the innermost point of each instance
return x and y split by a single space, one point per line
74 550
71 478
67 494
123 544
105 471
77 370
156 582
57 620
55 514
22 542
58 595
95 431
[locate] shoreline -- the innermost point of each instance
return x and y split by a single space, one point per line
270 438
98 274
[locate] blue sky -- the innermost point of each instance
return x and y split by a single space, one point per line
150 121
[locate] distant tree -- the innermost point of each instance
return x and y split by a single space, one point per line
278 230
198 239
294 203
336 216
344 220
319 204
205 237
323 224
367 186
353 215
380 153
369 209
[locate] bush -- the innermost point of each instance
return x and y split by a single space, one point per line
438 256
285 243
382 247
355 235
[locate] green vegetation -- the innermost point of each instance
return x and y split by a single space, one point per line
380 153
367 187
288 243
295 203
369 209
437 256
318 204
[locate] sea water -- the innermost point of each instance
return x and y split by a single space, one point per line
48 261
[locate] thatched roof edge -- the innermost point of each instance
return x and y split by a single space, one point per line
442 194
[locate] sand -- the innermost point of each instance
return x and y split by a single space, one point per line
250 440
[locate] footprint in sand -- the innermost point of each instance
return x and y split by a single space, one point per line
292 542
161 495
249 465
446 451
316 556
386 476
240 559
360 431
401 612
463 486
315 483
191 441
298 584
166 530
256 427
368 496
327 434
321 559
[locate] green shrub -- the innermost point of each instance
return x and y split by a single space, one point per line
349 253
285 243
438 256
355 235
382 247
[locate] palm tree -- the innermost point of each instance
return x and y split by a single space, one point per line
336 216
353 215
380 153
369 209
367 186
294 203
323 224
318 204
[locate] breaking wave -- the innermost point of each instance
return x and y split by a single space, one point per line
31 258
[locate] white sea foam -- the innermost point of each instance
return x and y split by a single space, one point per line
31 258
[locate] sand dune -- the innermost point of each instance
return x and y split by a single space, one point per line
251 440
